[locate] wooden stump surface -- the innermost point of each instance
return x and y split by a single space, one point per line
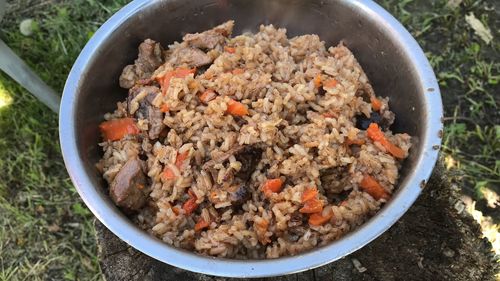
435 240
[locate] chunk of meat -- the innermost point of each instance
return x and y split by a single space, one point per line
192 57
334 180
210 38
248 155
149 59
140 104
128 187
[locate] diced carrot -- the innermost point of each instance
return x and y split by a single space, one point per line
372 187
309 193
330 83
355 141
236 108
168 173
164 108
376 134
238 71
318 219
394 150
262 224
183 72
207 96
118 128
190 205
230 50
201 224
177 73
272 186
165 81
317 81
179 160
312 206
261 228
176 210
376 103
330 115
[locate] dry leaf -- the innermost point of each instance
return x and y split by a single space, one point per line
482 31
452 4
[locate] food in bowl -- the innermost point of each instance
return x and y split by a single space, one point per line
249 147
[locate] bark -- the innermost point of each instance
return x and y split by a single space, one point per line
435 240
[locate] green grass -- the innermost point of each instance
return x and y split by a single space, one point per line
468 71
46 232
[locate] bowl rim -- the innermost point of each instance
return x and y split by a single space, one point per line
153 247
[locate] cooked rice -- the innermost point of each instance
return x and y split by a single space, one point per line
301 128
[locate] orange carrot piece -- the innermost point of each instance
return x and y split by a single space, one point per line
261 228
318 219
312 206
309 193
272 186
330 115
190 205
118 128
372 187
164 108
201 224
238 71
179 160
183 72
230 50
330 83
317 81
176 210
207 96
236 108
177 73
376 134
263 224
376 103
168 173
165 81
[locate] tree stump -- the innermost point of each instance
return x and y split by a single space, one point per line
435 240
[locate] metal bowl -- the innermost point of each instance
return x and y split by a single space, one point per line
390 56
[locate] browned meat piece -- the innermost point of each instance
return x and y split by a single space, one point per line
140 104
248 155
296 220
193 57
239 194
148 60
128 188
335 180
210 38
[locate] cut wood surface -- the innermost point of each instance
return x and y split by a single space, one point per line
435 240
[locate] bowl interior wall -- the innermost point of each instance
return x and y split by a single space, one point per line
387 67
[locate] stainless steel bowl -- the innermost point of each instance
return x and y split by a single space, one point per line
390 56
